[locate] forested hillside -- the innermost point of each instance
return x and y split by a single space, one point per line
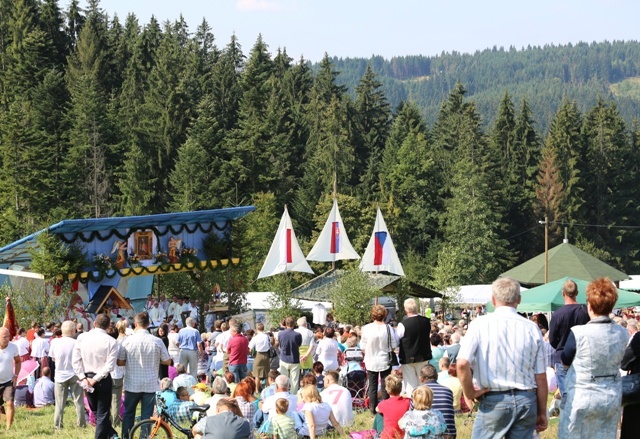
101 116
543 75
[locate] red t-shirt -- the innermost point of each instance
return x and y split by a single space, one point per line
392 410
238 349
31 334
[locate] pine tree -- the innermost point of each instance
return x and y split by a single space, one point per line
472 229
411 181
87 169
190 179
608 176
372 120
567 143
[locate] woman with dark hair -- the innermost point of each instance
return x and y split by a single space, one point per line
377 342
594 352
163 333
328 349
437 350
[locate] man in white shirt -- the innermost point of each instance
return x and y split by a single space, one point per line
504 354
339 398
39 349
307 347
10 365
156 315
282 391
141 354
195 311
66 381
174 311
259 347
22 343
164 303
43 391
94 357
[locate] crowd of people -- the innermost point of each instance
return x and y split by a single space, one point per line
295 380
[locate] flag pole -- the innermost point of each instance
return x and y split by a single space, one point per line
335 196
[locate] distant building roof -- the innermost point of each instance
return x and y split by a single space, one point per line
321 287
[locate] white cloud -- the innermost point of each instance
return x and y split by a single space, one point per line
258 5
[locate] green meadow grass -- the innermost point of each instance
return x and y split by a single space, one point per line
38 424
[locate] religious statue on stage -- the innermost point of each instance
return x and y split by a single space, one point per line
174 249
121 259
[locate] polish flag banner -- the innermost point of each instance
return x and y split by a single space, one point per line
285 253
380 254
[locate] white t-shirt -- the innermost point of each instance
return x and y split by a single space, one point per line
7 358
307 336
339 399
269 404
23 345
61 351
319 314
321 412
327 352
39 347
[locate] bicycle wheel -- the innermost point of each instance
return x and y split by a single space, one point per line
150 429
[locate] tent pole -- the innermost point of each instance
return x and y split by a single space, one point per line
546 249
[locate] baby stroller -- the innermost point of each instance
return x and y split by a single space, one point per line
356 383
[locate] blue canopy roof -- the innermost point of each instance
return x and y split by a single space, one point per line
18 251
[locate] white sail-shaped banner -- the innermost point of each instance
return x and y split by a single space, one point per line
285 253
380 254
333 243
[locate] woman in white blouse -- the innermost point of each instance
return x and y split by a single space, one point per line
327 350
378 340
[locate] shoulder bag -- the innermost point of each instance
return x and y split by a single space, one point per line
393 358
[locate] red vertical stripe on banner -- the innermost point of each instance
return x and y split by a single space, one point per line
335 237
289 256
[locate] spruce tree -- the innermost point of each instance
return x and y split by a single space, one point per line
372 120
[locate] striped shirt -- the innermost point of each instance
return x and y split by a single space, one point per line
504 350
443 402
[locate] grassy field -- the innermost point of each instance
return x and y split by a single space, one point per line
38 424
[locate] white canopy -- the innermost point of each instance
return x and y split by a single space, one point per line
480 294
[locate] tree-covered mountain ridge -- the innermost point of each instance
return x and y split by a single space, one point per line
544 75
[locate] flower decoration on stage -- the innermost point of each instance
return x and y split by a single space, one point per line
189 255
161 258
102 262
134 261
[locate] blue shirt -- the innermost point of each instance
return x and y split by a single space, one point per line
188 338
290 342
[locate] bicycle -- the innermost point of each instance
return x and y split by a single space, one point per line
159 427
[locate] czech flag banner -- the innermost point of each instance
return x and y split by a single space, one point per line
285 253
333 243
380 254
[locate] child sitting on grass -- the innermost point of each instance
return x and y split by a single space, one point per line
283 425
422 422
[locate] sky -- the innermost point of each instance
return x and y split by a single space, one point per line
357 28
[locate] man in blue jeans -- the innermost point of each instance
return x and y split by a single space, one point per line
504 353
565 318
238 349
141 354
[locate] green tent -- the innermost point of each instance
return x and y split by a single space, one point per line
564 260
548 297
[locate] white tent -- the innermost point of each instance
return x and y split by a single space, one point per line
472 294
260 301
